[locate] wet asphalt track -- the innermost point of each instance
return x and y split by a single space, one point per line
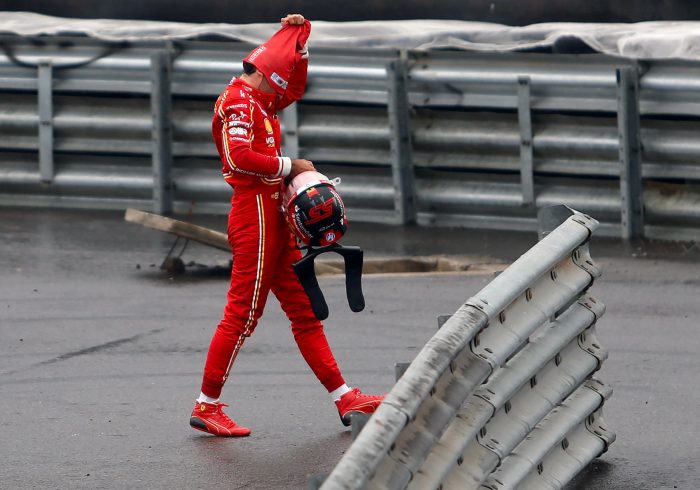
101 357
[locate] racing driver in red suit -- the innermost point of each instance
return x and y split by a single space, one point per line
246 130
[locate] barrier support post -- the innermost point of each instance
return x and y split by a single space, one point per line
527 180
400 142
45 102
631 185
161 110
290 120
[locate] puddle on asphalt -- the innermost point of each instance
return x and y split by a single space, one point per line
414 265
175 267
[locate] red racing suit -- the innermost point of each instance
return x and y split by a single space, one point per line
246 130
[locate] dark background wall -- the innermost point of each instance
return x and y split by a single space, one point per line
513 12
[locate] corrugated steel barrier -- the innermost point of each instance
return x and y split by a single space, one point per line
503 395
451 138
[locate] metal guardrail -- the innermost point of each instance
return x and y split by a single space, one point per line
502 396
452 138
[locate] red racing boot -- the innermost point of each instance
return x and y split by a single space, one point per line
209 417
354 401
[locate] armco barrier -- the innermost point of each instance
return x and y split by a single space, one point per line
449 138
502 396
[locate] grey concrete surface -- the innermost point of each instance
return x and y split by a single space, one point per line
101 356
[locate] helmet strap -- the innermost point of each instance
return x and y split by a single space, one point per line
306 272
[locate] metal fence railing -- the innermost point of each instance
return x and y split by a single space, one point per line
503 395
454 138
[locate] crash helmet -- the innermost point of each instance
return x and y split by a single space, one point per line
314 210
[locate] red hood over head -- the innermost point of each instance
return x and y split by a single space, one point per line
276 57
